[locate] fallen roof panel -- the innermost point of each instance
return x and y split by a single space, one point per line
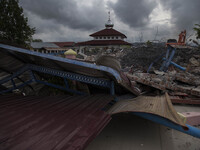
12 58
157 105
46 122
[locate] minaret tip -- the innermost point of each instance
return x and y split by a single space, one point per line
109 24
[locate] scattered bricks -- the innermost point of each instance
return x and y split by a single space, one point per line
193 118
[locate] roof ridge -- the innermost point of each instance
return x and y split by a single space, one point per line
108 32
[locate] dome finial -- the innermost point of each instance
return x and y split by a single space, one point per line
109 23
109 16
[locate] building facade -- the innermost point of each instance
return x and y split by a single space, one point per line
107 38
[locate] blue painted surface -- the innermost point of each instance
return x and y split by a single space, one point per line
156 60
16 87
191 130
65 60
176 65
62 74
112 88
168 59
71 76
16 74
13 83
66 83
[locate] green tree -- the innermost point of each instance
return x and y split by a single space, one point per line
197 29
37 40
14 26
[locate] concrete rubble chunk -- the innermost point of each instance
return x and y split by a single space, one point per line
187 83
188 78
194 62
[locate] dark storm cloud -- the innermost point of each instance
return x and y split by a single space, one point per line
135 13
185 13
67 12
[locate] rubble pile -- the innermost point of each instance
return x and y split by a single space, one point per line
181 84
188 58
142 56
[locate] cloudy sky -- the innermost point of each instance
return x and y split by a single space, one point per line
74 20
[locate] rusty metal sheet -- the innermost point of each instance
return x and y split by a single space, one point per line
47 123
158 105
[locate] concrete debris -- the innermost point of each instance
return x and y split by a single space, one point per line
181 82
135 62
141 57
159 72
194 62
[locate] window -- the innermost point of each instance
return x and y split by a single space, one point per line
100 37
104 37
113 37
108 37
116 37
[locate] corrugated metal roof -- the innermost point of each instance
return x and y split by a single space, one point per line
157 105
64 44
48 123
43 44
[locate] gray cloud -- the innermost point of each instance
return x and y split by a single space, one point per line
68 12
74 20
185 13
135 13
